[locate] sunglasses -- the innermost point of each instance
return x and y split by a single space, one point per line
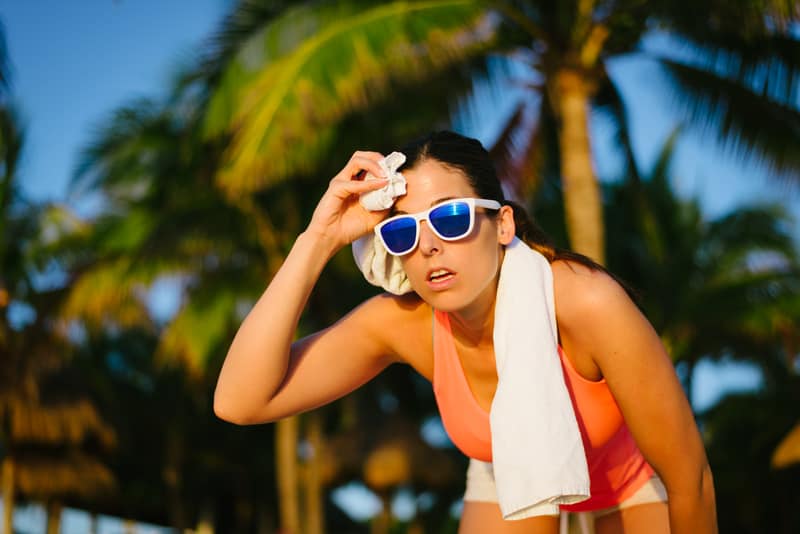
450 220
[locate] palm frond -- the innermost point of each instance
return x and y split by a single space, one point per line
788 451
124 149
734 237
518 152
749 18
610 102
247 18
200 329
109 293
768 65
5 68
515 149
309 68
749 125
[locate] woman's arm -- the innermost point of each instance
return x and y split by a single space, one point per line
265 377
600 319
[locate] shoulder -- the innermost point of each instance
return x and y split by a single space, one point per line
402 323
388 306
580 289
584 296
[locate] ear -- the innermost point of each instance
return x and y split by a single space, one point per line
505 225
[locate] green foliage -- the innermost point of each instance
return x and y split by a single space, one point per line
302 72
201 329
210 188
703 282
742 432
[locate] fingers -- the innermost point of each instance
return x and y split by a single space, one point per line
343 188
359 162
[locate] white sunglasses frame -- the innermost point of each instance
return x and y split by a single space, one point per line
472 203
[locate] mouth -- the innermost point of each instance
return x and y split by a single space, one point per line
440 275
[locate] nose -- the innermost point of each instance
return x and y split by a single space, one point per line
429 243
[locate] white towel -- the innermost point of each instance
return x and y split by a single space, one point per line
383 198
537 452
378 266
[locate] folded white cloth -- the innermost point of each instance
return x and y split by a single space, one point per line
378 266
383 198
537 452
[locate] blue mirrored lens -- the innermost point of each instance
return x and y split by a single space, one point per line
451 220
400 234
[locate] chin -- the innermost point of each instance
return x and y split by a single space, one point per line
446 301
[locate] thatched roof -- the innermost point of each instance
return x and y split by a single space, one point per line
69 474
788 451
63 422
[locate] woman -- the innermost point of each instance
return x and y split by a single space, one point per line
648 469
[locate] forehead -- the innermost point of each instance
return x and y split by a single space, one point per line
430 182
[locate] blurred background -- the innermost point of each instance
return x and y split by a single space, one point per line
157 160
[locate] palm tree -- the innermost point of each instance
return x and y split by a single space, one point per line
726 288
742 432
163 218
45 420
283 77
718 288
166 217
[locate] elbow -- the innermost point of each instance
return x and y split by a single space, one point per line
230 412
695 483
224 411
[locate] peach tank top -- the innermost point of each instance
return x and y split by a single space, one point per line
616 466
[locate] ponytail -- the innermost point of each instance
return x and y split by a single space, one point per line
532 235
530 232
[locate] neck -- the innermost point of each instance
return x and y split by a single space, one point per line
474 325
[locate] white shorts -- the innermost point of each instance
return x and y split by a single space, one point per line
480 487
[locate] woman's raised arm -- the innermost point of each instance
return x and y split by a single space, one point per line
261 360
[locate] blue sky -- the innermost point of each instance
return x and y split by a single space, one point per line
75 62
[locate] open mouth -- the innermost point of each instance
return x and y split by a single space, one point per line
440 275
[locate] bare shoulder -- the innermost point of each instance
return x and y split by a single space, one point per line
591 308
402 323
382 310
582 292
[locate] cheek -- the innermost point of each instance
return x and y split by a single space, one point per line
414 268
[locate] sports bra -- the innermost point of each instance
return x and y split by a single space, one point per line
616 466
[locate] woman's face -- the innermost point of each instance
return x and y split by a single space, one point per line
452 275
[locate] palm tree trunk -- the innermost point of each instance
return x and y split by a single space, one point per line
8 492
205 520
286 468
264 520
382 523
314 510
582 202
53 516
173 479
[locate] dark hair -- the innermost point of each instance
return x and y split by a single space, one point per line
469 157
